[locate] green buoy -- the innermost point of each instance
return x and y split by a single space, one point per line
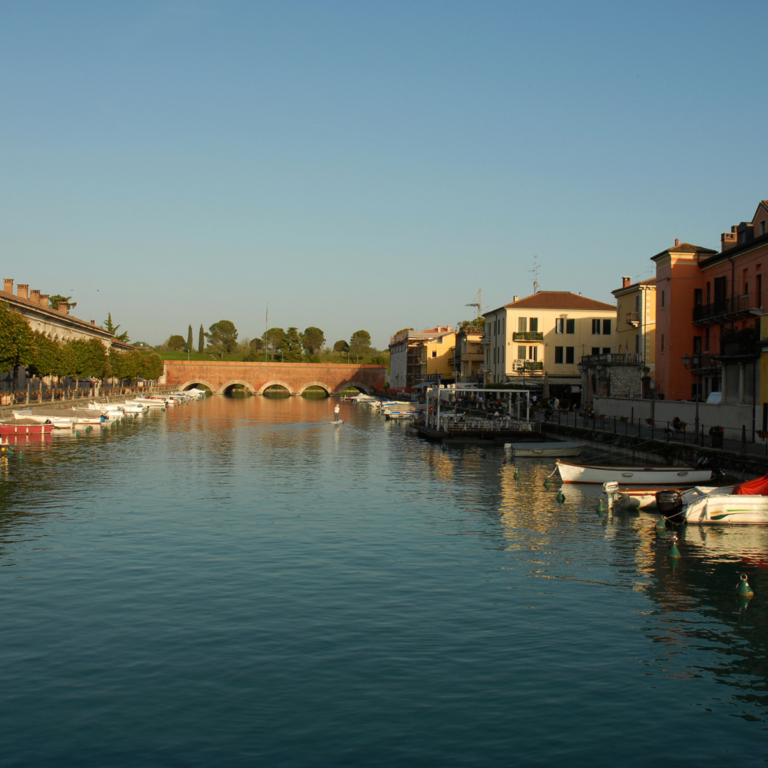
744 590
560 496
547 483
674 552
600 507
661 525
517 473
483 455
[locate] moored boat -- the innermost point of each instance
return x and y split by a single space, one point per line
550 449
25 427
742 504
632 475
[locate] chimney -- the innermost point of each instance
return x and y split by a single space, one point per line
8 285
34 297
625 281
22 291
93 322
44 300
62 306
677 242
515 298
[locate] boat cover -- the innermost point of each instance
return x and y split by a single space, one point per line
757 487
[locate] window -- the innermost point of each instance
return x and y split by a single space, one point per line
434 353
697 345
595 350
560 325
698 297
534 324
637 343
662 342
637 303
522 324
558 355
745 281
570 326
662 300
569 355
533 353
706 339
595 327
762 227
606 350
759 291
709 293
522 353
606 327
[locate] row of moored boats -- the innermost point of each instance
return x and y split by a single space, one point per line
45 421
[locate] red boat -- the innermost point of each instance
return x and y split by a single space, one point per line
20 429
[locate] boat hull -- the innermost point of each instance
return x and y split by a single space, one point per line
630 475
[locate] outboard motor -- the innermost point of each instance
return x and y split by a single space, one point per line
705 462
670 505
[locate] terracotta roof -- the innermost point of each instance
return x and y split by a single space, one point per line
558 300
684 248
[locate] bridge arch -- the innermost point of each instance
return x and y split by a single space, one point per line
192 383
350 384
234 383
328 390
275 383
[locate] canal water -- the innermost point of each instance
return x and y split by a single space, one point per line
237 582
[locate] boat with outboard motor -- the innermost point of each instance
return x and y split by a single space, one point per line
742 504
632 475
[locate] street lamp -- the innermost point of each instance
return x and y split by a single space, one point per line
694 363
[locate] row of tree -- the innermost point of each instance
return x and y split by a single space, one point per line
289 346
20 346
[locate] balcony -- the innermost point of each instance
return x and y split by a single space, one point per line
738 351
726 309
527 365
528 336
633 319
611 359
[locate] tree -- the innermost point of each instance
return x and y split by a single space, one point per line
222 337
17 342
477 324
360 344
47 356
175 342
152 366
251 355
341 346
256 343
189 339
201 340
57 299
312 339
112 328
291 347
273 338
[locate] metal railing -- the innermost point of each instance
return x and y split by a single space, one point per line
736 306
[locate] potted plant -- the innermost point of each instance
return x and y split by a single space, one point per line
623 419
716 436
762 434
682 424
649 422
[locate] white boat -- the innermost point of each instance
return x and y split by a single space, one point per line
632 475
630 499
550 449
58 422
742 504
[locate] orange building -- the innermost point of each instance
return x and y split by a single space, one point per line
708 305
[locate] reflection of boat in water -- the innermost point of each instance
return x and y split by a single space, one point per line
550 449
631 475
742 504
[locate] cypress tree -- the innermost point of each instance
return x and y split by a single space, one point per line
189 339
201 340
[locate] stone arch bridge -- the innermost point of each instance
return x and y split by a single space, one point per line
257 377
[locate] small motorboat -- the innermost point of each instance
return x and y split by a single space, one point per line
632 475
633 499
550 449
742 504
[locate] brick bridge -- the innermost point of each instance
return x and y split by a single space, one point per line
257 377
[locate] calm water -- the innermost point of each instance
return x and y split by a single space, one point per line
235 582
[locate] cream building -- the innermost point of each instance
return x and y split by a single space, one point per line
436 355
636 307
547 332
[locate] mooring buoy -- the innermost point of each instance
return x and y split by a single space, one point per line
744 590
547 482
517 473
661 524
674 552
560 496
600 507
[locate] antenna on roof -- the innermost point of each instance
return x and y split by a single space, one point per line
535 271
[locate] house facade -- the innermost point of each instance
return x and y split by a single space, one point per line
468 356
405 355
436 355
547 332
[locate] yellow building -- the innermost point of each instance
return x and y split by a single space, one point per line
436 355
468 356
547 332
636 307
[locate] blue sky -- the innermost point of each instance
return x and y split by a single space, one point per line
366 165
